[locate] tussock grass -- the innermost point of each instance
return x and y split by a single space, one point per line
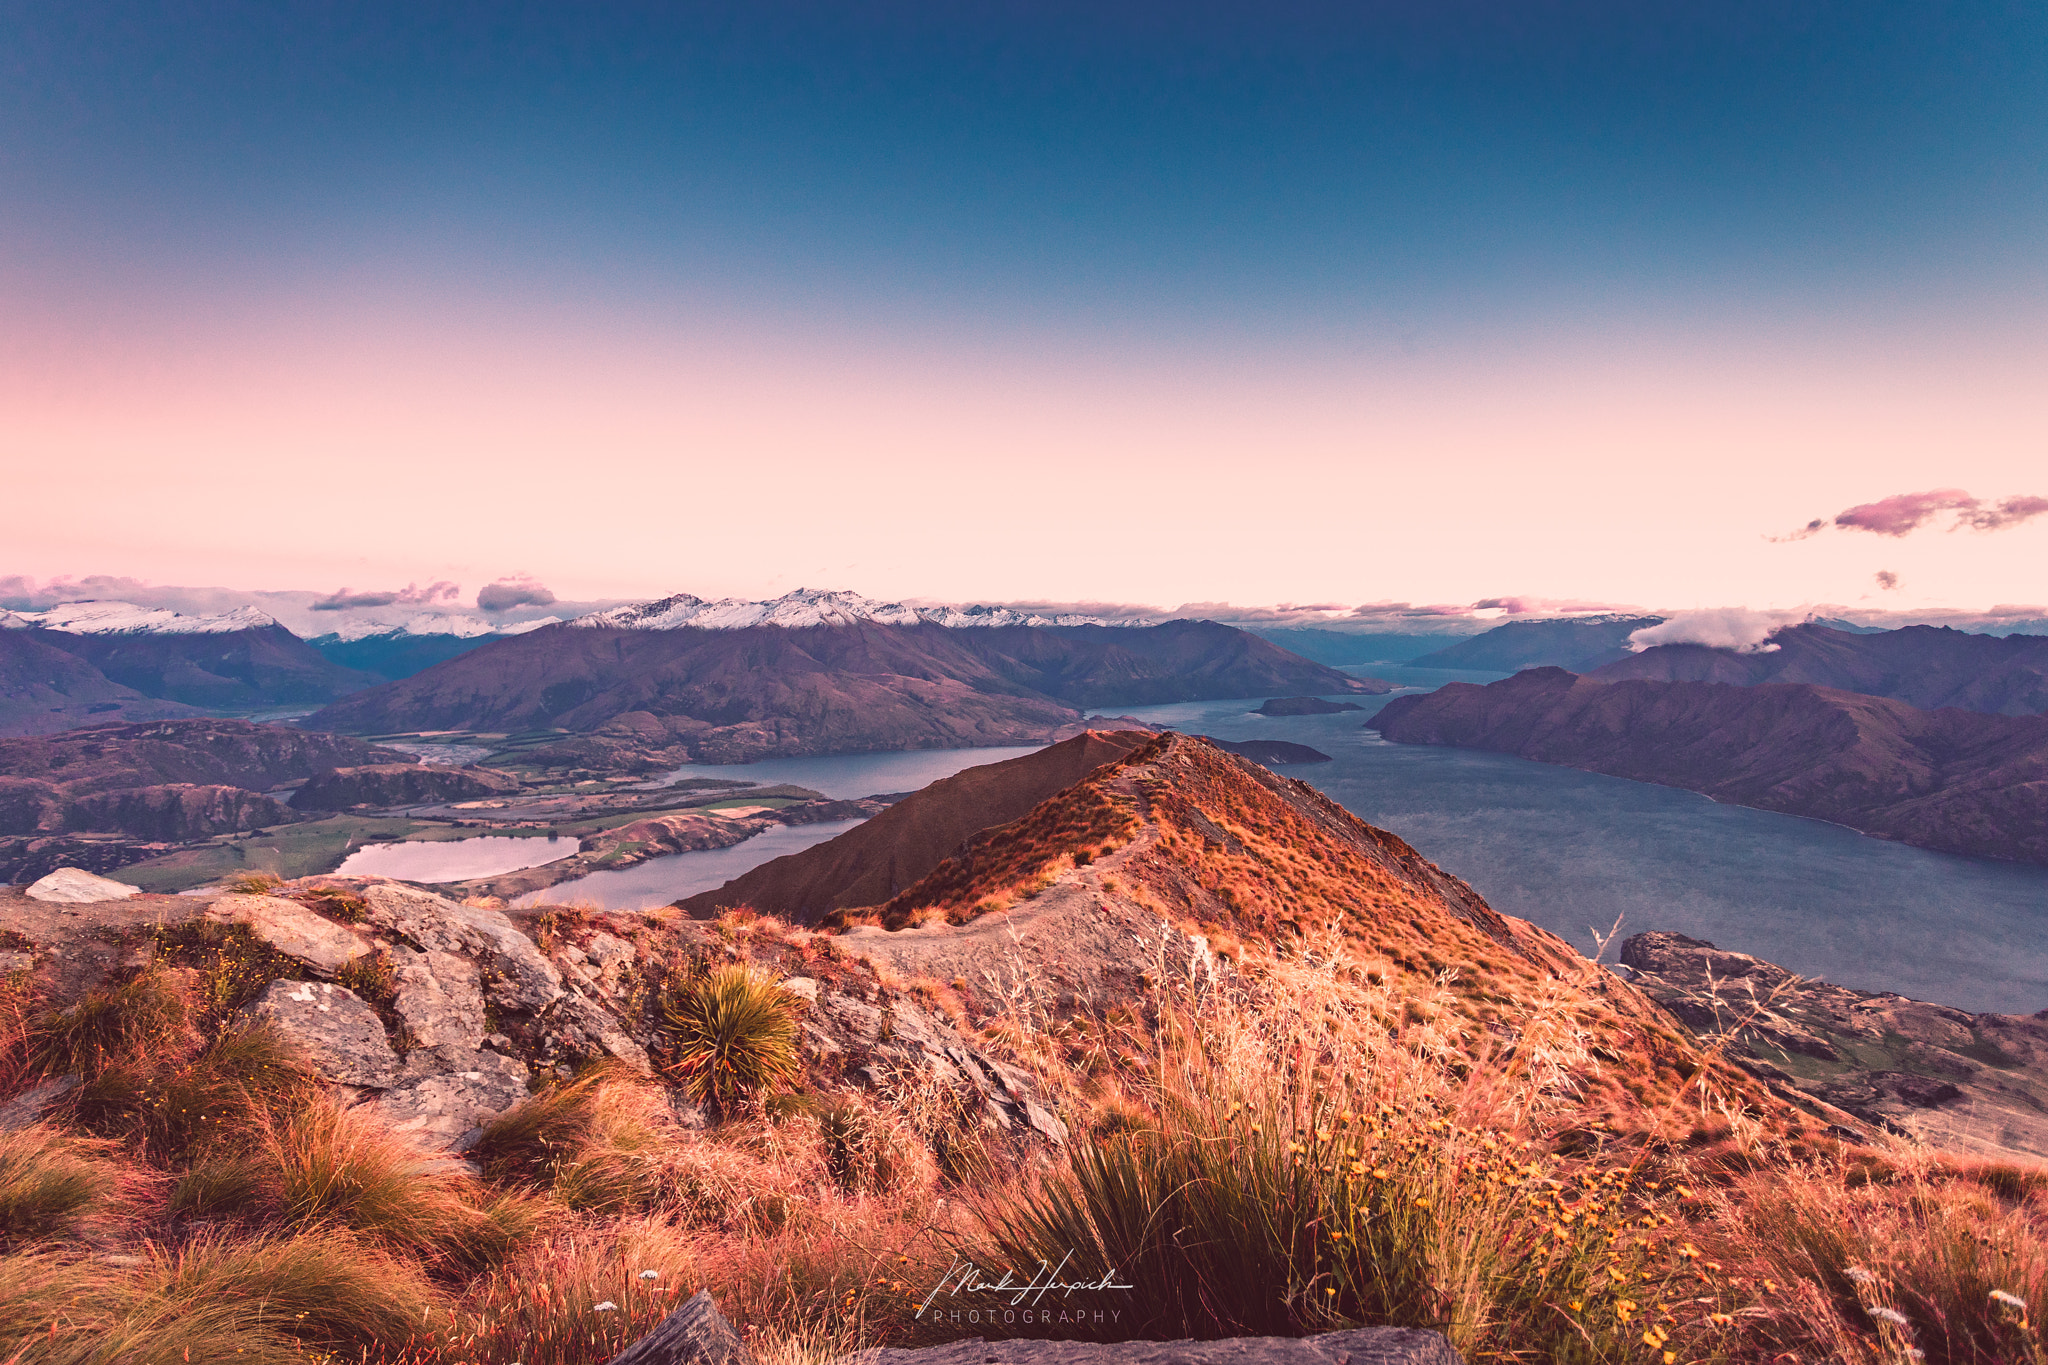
50 1183
601 1142
253 883
112 1026
178 1112
733 1035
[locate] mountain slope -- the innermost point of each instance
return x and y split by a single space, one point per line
1925 666
1954 780
885 855
239 659
1578 643
45 689
726 695
1177 844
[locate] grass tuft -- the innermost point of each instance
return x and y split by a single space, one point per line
50 1184
734 1036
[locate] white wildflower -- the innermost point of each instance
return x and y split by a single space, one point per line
650 1274
1890 1315
606 1307
1859 1274
2009 1300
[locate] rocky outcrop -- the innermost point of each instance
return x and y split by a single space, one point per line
695 1334
290 928
400 784
1360 1346
1970 1082
176 812
339 1036
519 977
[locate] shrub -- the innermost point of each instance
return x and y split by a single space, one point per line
49 1183
253 883
111 1026
233 965
734 1036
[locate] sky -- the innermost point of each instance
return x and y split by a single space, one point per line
1277 303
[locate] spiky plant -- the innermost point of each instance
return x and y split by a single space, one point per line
735 1036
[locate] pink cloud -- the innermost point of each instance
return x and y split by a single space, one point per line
517 590
410 595
2010 512
1903 513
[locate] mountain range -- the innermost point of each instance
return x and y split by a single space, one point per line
1960 781
1578 643
651 686
1924 666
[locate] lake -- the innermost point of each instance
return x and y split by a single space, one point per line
659 881
454 860
845 776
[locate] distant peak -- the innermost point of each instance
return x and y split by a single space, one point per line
126 618
815 607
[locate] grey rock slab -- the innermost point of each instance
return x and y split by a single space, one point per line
341 1037
695 1334
292 929
441 999
27 1107
1360 1346
74 886
519 977
438 1107
581 1027
608 950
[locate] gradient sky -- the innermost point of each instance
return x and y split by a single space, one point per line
1153 303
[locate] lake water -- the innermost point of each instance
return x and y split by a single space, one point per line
845 776
658 881
454 860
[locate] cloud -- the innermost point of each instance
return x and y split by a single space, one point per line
1887 580
1736 628
1904 513
410 595
518 590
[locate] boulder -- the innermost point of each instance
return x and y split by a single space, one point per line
695 1334
441 999
290 928
1360 1346
70 886
579 1027
339 1035
520 978
442 1105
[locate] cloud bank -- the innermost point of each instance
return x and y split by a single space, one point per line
410 595
518 590
1736 628
1902 514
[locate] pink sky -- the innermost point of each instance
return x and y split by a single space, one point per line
378 436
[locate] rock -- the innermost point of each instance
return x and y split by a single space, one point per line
609 951
695 1334
1361 1346
581 1027
803 988
1693 962
340 1036
442 1107
441 999
70 886
16 962
520 978
292 929
28 1106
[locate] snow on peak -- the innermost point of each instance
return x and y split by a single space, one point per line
125 618
812 607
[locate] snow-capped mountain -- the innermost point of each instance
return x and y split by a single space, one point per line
429 623
815 607
125 618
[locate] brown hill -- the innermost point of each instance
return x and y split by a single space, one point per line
44 689
870 864
1959 781
1106 883
733 695
1925 666
1577 643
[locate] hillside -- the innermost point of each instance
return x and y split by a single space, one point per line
684 694
869 864
1958 781
1576 643
1925 666
45 689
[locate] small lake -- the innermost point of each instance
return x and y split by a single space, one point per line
845 776
658 881
454 860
